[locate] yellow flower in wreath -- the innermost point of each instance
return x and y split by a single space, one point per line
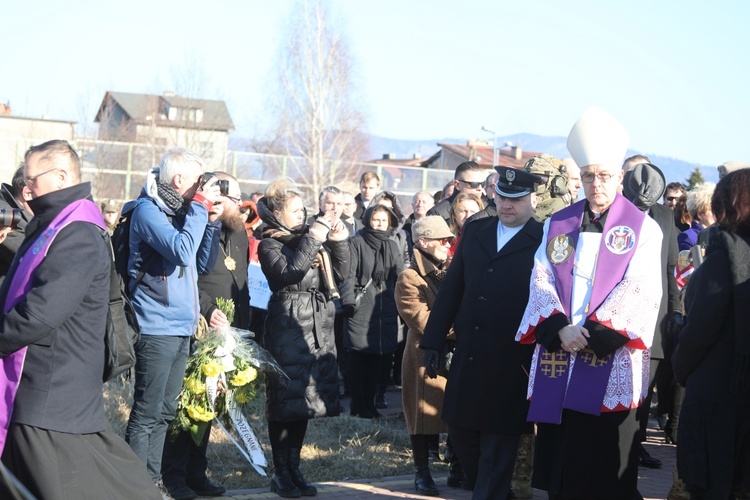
244 377
195 386
199 414
211 368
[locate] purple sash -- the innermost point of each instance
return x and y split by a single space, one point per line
11 365
583 390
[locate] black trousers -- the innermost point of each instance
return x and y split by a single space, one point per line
183 460
364 372
643 411
487 459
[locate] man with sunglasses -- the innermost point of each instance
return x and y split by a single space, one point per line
469 176
483 297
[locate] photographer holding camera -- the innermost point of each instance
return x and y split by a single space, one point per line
172 218
14 215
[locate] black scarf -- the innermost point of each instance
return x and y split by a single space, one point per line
276 229
378 241
738 250
171 198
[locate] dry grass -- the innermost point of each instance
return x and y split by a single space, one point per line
336 449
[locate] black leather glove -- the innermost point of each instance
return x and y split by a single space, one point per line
431 362
675 323
347 310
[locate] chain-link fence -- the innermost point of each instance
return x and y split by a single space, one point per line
117 170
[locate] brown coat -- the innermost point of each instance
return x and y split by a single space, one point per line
422 396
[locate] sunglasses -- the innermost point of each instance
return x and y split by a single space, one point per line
472 185
675 198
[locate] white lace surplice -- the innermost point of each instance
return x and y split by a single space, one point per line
630 308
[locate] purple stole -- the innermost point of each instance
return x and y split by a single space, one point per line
11 365
585 390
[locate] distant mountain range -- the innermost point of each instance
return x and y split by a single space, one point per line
674 169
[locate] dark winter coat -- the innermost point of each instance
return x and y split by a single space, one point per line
712 361
61 321
663 345
222 282
359 212
299 328
483 296
374 326
397 228
443 208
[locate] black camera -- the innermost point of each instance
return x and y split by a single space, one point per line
10 217
223 183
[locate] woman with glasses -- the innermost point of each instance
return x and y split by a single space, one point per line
416 290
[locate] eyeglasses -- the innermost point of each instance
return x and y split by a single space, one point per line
442 241
237 201
31 180
675 198
589 178
472 185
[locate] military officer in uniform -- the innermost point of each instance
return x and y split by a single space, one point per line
483 297
550 195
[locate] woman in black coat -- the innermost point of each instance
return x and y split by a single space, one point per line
371 330
712 358
303 267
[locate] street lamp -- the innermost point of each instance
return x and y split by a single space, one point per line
494 144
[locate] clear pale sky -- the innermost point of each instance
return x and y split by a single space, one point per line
675 73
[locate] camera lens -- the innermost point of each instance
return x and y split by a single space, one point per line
10 217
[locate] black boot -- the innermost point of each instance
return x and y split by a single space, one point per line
456 476
434 447
282 483
307 489
423 482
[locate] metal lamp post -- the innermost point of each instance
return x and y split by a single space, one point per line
494 144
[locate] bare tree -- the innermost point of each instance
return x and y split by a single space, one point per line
319 120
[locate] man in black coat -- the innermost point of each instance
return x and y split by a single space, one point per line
55 297
483 297
644 184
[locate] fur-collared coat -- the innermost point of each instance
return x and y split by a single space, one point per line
422 396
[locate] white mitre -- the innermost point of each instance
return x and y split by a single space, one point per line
598 139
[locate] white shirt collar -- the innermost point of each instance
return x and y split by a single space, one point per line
504 234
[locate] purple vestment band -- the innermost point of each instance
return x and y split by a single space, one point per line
583 390
12 364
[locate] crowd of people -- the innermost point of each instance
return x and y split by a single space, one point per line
530 320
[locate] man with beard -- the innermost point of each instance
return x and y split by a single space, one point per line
183 463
